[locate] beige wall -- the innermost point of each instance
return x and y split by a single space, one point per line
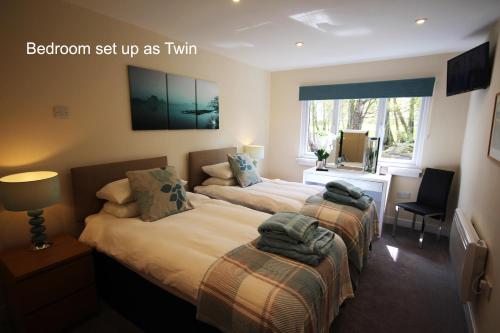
95 88
443 143
479 190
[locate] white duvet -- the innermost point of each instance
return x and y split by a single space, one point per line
176 251
269 196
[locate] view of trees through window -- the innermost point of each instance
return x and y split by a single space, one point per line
401 121
398 132
320 124
359 114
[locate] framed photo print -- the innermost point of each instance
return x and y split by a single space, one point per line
494 150
166 101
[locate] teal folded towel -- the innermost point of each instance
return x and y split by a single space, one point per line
336 190
291 227
362 202
295 236
320 243
310 259
343 187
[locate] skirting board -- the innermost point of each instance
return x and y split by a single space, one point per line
469 318
431 225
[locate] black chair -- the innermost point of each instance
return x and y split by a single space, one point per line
431 200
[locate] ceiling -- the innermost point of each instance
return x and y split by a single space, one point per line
263 32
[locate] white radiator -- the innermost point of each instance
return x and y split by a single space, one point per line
468 256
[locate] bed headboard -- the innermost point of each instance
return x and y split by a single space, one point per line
88 180
197 159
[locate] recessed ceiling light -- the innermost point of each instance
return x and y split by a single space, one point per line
236 1
421 20
299 44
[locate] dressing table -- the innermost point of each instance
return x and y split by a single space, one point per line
354 154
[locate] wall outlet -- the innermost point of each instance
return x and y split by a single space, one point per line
60 112
403 195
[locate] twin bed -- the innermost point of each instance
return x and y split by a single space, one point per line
203 262
357 228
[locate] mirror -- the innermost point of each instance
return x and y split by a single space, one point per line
352 149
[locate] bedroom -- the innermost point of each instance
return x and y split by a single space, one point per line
60 112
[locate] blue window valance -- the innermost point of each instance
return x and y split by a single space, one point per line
381 89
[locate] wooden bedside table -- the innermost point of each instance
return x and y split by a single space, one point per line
51 289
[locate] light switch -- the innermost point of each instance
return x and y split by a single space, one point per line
60 112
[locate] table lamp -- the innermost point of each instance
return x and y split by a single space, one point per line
255 152
31 191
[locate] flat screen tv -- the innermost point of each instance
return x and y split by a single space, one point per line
469 71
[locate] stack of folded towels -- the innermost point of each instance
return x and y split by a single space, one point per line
295 236
344 193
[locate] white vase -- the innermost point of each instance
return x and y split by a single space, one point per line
321 164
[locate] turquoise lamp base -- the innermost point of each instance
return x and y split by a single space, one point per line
39 238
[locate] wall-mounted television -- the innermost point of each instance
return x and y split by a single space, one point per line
469 71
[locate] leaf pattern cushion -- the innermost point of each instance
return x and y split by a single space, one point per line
244 170
158 193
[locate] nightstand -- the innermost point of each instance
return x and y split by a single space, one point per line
51 289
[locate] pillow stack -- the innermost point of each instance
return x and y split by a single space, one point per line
143 194
159 193
243 169
119 199
220 174
238 170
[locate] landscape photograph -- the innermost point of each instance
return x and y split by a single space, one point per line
207 101
181 93
148 99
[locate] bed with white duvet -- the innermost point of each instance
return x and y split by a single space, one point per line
177 251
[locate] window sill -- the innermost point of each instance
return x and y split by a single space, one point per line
411 171
405 171
306 161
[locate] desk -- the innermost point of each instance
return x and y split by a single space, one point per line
376 186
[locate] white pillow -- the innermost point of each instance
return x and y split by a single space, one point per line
123 211
220 170
219 181
119 191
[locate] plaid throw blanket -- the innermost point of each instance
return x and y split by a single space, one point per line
356 227
248 290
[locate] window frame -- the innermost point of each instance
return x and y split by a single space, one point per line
307 158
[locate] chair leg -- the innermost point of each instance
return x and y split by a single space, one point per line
422 231
395 222
413 222
441 220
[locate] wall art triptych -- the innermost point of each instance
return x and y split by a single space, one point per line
166 101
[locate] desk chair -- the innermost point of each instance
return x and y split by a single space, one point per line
431 200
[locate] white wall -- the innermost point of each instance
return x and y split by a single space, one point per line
479 190
443 143
95 88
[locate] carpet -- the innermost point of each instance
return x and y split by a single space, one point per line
405 289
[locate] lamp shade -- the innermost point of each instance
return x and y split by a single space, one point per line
29 190
255 151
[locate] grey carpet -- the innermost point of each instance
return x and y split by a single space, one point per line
414 293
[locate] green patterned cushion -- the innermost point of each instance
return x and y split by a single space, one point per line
158 193
243 169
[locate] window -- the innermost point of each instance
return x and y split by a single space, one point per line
397 121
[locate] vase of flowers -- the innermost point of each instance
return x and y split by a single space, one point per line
321 155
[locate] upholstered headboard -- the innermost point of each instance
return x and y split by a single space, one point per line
197 159
88 180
